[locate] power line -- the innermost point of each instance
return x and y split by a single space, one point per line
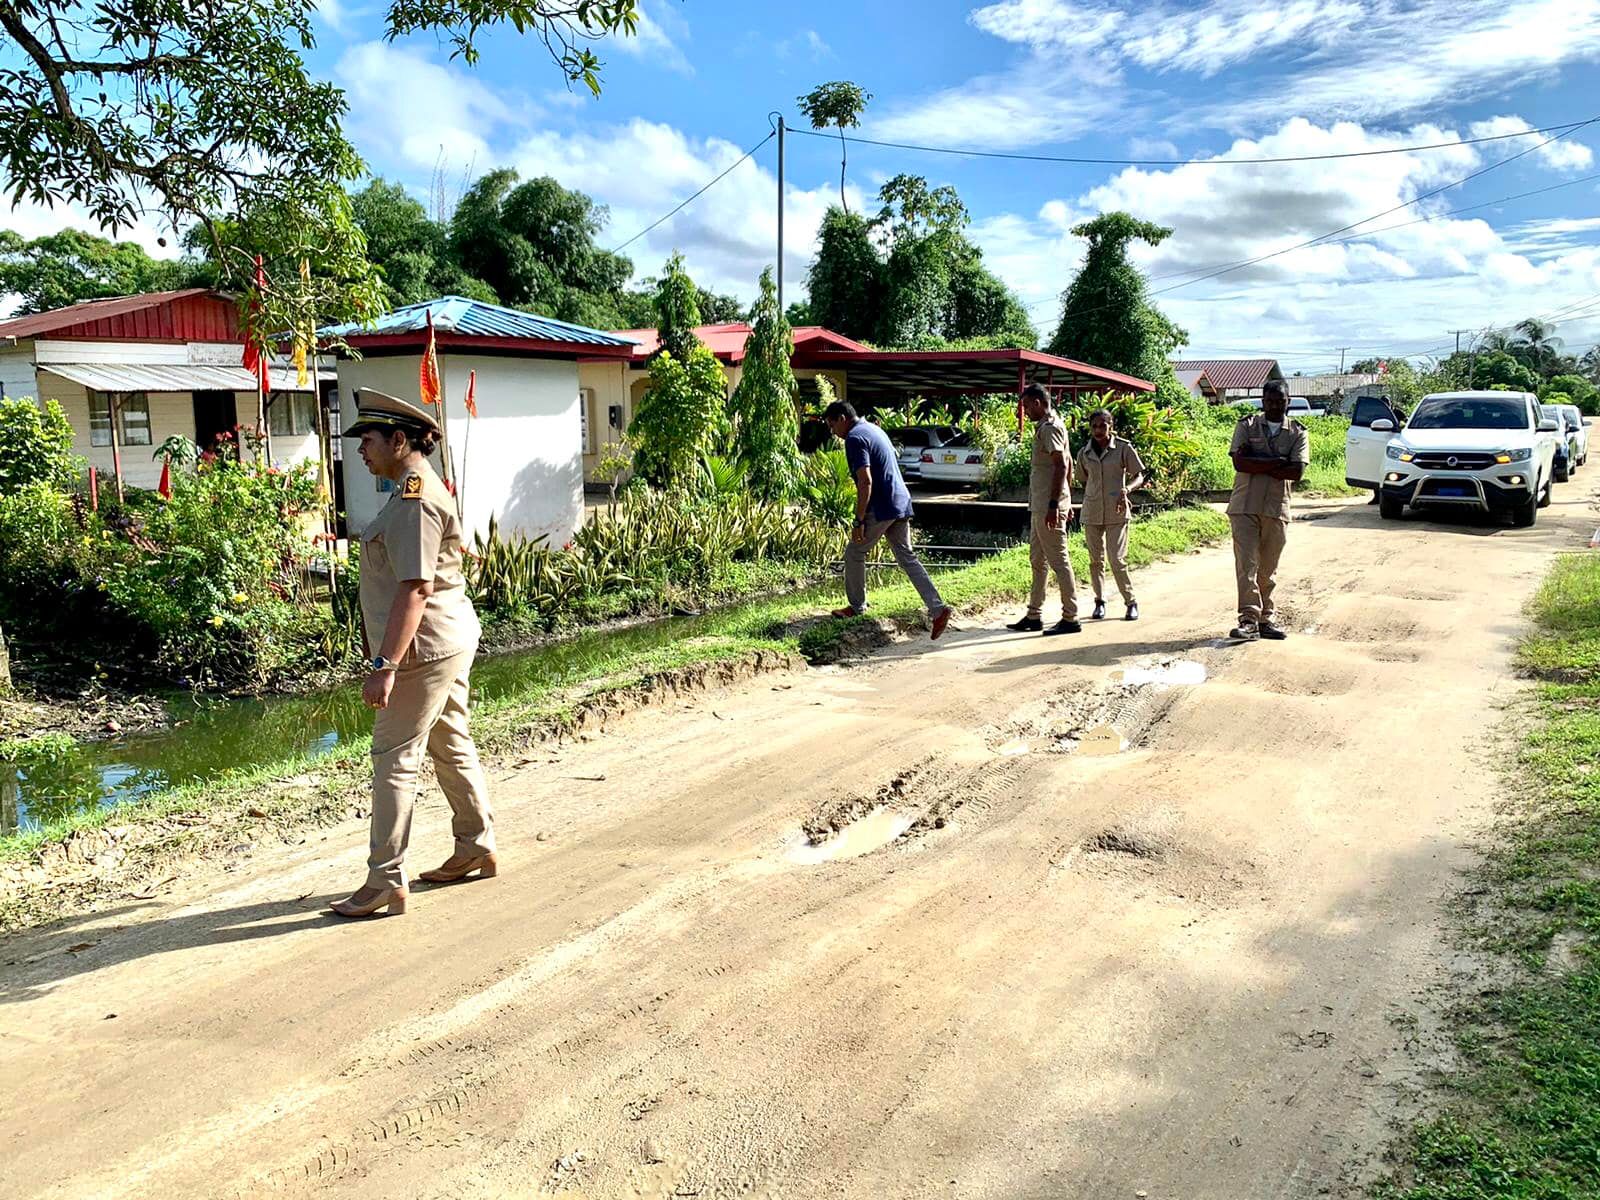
1190 162
661 221
1428 195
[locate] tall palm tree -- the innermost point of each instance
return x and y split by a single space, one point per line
1534 342
1589 365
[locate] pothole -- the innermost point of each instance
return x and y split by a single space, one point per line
1123 841
871 832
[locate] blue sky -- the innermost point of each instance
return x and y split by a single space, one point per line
1099 78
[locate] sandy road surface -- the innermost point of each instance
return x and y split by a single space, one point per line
1172 971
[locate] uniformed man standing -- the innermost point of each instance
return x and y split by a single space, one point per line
1049 510
1110 470
414 600
1269 453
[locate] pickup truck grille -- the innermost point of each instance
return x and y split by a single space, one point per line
1454 460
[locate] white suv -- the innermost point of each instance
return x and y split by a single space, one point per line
1493 451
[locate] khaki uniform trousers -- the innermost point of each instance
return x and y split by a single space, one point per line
1257 546
1047 552
427 710
1108 541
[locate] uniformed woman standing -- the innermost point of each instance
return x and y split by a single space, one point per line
414 601
1111 472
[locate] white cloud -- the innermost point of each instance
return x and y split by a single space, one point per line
406 108
642 169
807 41
1326 59
661 27
1389 291
1563 154
32 220
340 16
1026 107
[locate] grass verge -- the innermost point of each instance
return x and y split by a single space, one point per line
1521 1119
593 666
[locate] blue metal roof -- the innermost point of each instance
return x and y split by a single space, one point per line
474 318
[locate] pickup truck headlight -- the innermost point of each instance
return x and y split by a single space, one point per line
1399 452
1511 456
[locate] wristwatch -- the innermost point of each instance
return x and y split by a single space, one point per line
380 663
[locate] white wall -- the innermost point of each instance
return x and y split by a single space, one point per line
520 461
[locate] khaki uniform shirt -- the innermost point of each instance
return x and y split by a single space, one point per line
1262 495
1105 476
1049 436
417 535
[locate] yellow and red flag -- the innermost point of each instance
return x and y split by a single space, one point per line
472 397
255 360
428 383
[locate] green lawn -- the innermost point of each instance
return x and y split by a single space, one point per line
620 660
1521 1119
1212 471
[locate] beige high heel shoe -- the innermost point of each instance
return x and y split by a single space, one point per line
457 868
366 901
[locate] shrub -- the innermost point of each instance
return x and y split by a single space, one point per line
681 418
826 488
1165 441
36 446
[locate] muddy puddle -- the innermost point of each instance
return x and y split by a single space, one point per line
211 736
1178 672
870 832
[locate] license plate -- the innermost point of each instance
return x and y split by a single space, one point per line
1452 490
949 458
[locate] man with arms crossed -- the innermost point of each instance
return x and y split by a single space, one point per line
1049 510
883 509
1269 453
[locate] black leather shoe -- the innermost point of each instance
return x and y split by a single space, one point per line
1026 625
1063 626
1099 613
1132 614
1271 632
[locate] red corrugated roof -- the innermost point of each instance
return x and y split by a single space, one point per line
727 341
1231 374
75 316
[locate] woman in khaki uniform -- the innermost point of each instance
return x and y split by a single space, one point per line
414 600
1111 470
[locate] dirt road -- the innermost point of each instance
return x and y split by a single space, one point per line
1186 969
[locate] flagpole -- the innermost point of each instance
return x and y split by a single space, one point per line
466 446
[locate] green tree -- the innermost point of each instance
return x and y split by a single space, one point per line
839 104
677 305
1106 317
1501 369
1534 343
1365 366
845 281
410 248
1589 365
35 446
206 109
1583 393
67 267
681 418
766 426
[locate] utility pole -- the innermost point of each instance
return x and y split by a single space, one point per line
1458 333
1342 349
781 128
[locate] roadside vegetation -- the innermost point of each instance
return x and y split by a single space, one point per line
783 625
1521 1117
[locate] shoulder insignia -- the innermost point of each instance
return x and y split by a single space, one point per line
412 490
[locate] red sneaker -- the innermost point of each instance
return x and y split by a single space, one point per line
846 611
940 621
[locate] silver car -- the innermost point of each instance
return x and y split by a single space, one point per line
910 441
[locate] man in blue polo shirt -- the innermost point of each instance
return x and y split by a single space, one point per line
883 509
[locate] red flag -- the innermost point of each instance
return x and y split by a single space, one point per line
254 361
428 383
165 486
472 399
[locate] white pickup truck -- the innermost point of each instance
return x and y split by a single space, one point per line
1493 451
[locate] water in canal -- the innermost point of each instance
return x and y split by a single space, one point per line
210 736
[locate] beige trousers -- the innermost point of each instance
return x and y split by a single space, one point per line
1257 546
427 710
1047 552
1108 541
